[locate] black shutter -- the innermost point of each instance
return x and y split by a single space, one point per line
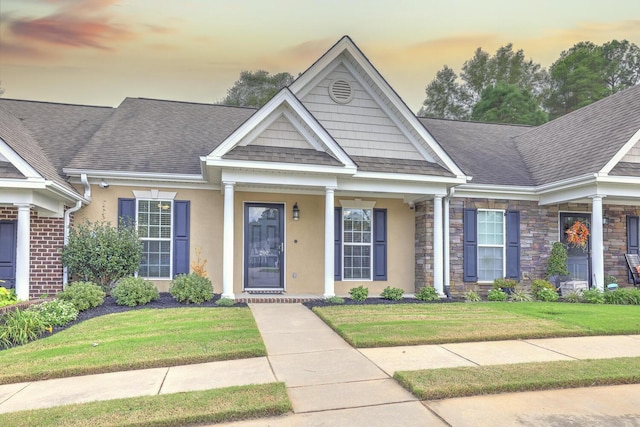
181 223
337 245
379 244
633 237
470 245
127 211
513 245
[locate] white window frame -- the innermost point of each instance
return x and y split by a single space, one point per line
503 246
361 205
154 239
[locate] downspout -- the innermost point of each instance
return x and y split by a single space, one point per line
67 222
445 243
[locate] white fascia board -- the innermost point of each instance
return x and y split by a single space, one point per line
623 180
410 177
621 153
566 183
487 191
146 176
283 167
41 201
25 168
390 186
66 193
288 179
31 184
614 188
569 194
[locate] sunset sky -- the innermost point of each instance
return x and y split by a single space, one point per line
98 52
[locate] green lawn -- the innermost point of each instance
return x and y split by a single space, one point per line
470 381
412 324
135 340
179 409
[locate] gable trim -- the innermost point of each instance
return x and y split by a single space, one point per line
18 162
635 139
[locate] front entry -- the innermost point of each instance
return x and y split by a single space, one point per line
263 246
578 259
8 254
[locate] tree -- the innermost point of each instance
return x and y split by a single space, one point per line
507 103
446 98
255 88
621 65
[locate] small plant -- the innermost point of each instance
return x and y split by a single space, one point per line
56 312
504 283
198 265
573 297
7 296
538 285
548 295
626 296
191 288
18 327
335 300
132 291
497 295
428 294
520 295
359 294
593 296
225 302
472 296
608 280
557 264
393 294
83 295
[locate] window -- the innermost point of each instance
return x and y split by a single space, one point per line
357 226
491 234
154 228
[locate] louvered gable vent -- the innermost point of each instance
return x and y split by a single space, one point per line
341 91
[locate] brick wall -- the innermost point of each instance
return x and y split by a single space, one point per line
424 244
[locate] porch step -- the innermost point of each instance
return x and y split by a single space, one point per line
275 298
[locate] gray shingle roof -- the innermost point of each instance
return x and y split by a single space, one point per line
280 154
145 135
583 141
486 151
417 167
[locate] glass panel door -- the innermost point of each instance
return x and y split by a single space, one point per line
263 246
578 259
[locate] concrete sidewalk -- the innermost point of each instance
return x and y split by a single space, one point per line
331 383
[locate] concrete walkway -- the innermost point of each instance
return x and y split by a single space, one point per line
331 383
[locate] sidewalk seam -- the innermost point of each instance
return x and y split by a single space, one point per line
19 391
552 350
459 355
164 378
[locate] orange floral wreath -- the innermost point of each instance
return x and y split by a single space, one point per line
578 234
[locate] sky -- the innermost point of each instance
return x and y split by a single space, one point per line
97 52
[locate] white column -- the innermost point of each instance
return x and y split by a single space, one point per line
437 245
446 258
597 245
22 251
328 243
227 243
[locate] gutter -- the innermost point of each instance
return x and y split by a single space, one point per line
67 222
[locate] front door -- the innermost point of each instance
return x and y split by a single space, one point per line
8 254
578 259
263 246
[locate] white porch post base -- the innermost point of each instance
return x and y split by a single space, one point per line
227 242
329 290
438 246
597 242
22 252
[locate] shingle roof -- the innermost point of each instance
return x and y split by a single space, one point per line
281 154
417 167
583 141
145 135
486 151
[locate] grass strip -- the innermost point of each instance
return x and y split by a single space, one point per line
137 339
210 406
412 324
429 384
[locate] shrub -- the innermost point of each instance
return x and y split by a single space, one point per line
83 295
628 296
520 295
224 302
18 327
609 280
393 294
497 295
548 295
593 296
538 285
132 291
335 300
101 253
56 312
428 294
504 283
359 294
557 264
7 296
573 297
472 296
191 288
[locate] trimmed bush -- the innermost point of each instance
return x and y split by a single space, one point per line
335 300
83 295
191 288
393 294
472 296
56 312
132 291
224 302
359 294
18 327
504 283
538 285
548 295
428 293
497 295
593 296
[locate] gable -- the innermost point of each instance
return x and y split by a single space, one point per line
633 155
281 133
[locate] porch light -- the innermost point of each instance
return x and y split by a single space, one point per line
296 211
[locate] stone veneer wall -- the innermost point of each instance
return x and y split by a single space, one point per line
538 231
47 239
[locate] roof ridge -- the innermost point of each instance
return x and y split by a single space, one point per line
191 102
56 103
477 122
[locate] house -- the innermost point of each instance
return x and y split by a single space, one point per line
333 184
